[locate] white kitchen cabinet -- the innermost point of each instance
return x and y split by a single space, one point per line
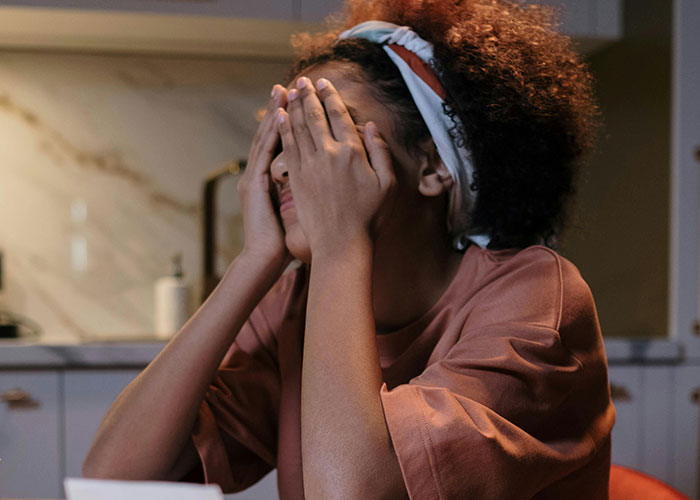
260 29
642 436
626 385
260 9
88 395
30 420
590 18
685 462
656 430
591 21
317 10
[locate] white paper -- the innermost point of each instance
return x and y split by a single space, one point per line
102 489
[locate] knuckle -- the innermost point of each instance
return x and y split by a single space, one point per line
331 153
344 150
355 151
336 111
305 92
314 115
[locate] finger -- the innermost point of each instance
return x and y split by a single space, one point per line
278 98
304 141
267 144
314 113
342 125
289 143
379 156
266 137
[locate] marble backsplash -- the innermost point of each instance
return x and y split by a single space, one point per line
102 160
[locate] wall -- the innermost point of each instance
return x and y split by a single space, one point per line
619 235
101 167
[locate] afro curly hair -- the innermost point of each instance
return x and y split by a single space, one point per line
522 94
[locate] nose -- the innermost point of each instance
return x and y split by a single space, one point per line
278 169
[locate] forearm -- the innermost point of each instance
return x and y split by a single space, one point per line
345 441
149 424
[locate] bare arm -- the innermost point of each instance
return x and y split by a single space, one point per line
346 446
145 434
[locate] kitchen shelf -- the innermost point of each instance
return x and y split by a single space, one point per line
31 28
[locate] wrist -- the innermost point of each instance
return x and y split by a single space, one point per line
263 258
359 245
262 267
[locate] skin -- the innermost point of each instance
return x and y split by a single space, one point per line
414 231
351 217
361 222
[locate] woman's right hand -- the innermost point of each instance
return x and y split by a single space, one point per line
264 236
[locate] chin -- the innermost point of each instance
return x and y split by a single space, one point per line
296 243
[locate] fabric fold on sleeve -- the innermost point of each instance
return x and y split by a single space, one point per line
509 412
211 451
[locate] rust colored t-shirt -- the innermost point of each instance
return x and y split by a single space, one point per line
499 391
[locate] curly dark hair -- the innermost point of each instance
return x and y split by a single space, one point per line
523 96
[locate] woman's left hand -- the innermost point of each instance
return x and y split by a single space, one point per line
341 196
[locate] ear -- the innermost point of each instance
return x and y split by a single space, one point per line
433 176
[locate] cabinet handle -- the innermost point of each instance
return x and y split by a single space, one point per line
620 393
18 398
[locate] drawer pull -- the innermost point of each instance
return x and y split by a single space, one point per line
620 393
18 398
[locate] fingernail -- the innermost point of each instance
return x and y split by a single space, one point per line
282 118
273 93
293 94
321 83
301 82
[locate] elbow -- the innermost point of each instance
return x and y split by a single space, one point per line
94 468
91 469
102 468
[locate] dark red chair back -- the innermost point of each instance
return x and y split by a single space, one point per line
629 484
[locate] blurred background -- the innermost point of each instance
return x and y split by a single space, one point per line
113 116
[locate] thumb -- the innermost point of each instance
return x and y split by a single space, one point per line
379 156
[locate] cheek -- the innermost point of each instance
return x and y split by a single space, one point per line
296 242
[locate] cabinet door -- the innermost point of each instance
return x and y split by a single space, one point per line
261 9
626 384
317 10
685 470
29 434
643 434
88 396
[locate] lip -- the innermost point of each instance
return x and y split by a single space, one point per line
286 200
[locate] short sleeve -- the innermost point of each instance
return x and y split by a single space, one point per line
512 408
235 433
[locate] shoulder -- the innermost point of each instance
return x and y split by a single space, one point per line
535 285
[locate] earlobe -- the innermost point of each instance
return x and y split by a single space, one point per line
434 178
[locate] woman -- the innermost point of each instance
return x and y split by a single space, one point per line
426 152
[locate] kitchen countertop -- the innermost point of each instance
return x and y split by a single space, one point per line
133 353
19 354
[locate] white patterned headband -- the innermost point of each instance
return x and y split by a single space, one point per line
412 56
